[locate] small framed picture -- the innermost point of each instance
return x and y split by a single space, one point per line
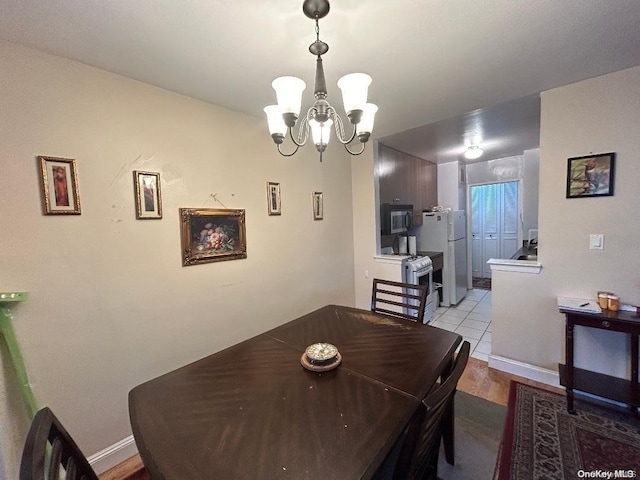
318 209
148 196
274 207
59 186
212 235
590 176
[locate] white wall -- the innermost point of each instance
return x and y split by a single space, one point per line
598 115
449 186
110 304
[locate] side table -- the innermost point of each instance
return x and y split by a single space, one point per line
606 386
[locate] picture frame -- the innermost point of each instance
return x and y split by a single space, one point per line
148 195
591 175
212 235
274 204
59 186
317 205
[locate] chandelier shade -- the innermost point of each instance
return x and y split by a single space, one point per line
321 116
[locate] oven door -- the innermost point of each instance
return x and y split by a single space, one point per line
423 276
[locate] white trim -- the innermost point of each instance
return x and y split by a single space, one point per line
113 455
392 259
526 370
520 266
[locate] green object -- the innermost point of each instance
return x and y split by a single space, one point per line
7 332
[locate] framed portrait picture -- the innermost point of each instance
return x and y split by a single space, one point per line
318 209
274 207
59 186
591 175
212 235
148 196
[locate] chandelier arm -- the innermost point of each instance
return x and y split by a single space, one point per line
288 154
346 147
303 133
339 127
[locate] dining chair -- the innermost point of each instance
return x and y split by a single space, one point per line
418 457
410 300
51 454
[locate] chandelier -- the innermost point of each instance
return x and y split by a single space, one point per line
321 116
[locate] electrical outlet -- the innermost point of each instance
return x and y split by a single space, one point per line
596 241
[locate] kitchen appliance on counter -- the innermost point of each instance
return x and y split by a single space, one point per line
395 219
419 271
446 232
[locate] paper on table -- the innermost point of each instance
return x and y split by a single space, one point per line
579 305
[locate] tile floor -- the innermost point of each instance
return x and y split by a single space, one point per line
471 318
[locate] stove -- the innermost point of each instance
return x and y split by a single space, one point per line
418 270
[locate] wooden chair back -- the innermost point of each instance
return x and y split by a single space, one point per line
51 454
418 458
410 300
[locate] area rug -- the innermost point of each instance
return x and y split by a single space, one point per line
481 283
478 431
542 441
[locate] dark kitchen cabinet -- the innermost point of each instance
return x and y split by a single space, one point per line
407 180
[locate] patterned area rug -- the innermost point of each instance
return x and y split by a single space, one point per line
481 283
542 441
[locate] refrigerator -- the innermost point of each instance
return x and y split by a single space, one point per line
446 232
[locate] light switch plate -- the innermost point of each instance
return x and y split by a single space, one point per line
596 241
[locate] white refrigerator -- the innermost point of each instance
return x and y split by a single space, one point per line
445 232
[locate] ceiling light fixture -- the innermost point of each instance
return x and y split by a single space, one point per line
321 116
472 152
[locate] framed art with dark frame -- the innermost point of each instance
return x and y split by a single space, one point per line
274 205
591 175
148 196
59 186
212 235
317 204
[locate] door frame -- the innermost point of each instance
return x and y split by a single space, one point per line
468 226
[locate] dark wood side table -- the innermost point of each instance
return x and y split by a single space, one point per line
606 386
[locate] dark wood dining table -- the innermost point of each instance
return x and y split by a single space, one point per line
252 411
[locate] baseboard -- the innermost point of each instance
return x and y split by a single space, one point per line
113 455
526 370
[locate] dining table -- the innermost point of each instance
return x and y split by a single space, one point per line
253 411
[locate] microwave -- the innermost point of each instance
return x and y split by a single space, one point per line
395 219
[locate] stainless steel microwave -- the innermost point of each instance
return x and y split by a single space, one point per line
395 219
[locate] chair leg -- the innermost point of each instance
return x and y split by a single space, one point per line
448 433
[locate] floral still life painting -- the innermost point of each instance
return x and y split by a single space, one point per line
212 235
590 176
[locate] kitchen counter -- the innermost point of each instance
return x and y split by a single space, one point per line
513 265
525 251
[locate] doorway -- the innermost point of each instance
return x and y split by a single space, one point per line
495 226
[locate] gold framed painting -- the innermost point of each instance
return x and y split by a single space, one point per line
274 205
59 186
212 235
148 195
317 205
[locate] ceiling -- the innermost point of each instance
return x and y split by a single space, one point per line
431 60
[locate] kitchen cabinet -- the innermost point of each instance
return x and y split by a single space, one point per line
407 180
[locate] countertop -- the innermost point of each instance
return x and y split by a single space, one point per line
525 251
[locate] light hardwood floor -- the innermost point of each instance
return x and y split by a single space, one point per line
478 379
